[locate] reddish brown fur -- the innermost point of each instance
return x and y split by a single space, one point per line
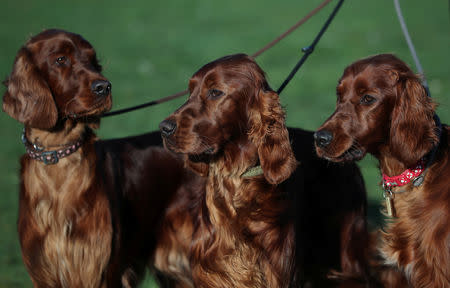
91 219
241 231
398 129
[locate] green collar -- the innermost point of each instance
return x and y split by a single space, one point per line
252 172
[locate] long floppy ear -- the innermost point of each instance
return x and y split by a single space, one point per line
28 98
270 135
412 132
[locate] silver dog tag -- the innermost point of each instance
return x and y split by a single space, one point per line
390 206
389 198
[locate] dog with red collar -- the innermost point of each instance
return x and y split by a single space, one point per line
383 109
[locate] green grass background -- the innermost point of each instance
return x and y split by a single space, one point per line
149 49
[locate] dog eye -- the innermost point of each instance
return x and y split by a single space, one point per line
214 93
61 60
367 99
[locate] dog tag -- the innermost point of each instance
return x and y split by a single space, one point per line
390 206
389 197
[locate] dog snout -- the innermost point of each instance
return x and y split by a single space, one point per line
323 138
167 127
101 87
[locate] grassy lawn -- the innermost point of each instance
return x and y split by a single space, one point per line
149 49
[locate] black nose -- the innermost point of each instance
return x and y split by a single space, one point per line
323 138
101 87
167 127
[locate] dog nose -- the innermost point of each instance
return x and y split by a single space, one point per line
101 87
167 127
323 138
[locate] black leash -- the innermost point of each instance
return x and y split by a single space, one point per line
151 103
309 49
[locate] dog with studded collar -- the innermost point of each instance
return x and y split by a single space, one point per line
88 209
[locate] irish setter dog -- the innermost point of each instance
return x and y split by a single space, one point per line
383 109
89 210
272 214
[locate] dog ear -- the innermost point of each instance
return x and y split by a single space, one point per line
28 98
271 137
412 132
200 168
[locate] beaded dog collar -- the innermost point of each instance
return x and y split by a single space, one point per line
49 157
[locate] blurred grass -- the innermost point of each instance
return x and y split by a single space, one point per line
149 49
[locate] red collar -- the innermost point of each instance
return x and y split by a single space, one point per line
407 176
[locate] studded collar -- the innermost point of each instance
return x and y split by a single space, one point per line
38 152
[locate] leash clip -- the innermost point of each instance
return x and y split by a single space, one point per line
37 147
387 192
418 180
308 49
